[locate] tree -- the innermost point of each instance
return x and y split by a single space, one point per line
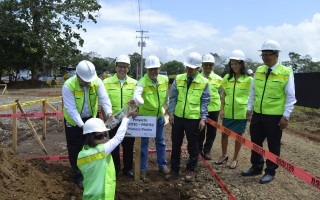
173 67
50 36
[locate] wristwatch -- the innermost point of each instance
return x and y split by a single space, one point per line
287 118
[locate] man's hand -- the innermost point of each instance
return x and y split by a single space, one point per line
131 112
171 120
221 114
202 124
249 115
283 123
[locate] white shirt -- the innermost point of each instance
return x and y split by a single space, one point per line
69 103
289 91
117 139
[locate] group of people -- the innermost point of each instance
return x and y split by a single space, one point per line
267 100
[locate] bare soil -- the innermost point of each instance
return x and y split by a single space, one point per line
37 179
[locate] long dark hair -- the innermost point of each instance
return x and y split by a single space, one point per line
242 69
89 140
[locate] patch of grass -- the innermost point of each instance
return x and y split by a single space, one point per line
305 119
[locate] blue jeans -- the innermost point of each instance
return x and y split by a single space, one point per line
160 147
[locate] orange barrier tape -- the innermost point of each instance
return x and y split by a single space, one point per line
298 172
34 115
220 182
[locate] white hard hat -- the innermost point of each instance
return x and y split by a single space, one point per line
94 125
123 59
250 71
270 45
152 62
208 58
86 70
237 55
194 60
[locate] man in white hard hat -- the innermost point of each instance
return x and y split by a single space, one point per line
81 94
250 72
99 174
208 135
152 88
271 101
120 88
188 110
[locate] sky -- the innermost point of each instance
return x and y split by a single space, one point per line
179 27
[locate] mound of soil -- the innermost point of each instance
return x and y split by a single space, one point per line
20 179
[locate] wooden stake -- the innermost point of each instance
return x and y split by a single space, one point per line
44 121
35 134
14 129
137 155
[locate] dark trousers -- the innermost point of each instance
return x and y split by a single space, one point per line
127 147
190 127
75 139
208 134
262 127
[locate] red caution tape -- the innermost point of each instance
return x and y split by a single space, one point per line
298 172
32 115
220 182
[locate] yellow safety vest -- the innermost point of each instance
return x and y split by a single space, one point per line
98 172
154 97
78 92
236 96
119 96
189 100
270 97
214 82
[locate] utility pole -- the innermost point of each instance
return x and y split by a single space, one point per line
141 44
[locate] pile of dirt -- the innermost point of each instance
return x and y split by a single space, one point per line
20 179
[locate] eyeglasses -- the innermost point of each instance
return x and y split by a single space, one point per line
153 69
207 64
267 55
101 136
123 66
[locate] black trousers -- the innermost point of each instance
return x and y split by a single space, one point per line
208 135
127 147
189 127
75 139
265 127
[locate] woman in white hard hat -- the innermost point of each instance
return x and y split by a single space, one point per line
234 100
95 160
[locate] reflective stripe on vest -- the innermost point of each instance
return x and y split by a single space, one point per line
78 92
214 82
271 99
189 100
236 96
118 95
154 98
98 171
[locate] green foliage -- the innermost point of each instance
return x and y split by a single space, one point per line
37 33
302 64
173 67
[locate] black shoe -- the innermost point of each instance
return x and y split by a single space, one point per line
79 184
172 176
206 156
128 173
220 162
266 178
251 172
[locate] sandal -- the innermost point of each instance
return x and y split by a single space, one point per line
220 162
233 164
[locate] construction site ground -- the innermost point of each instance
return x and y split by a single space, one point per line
37 179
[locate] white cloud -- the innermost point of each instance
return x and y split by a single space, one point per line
172 39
